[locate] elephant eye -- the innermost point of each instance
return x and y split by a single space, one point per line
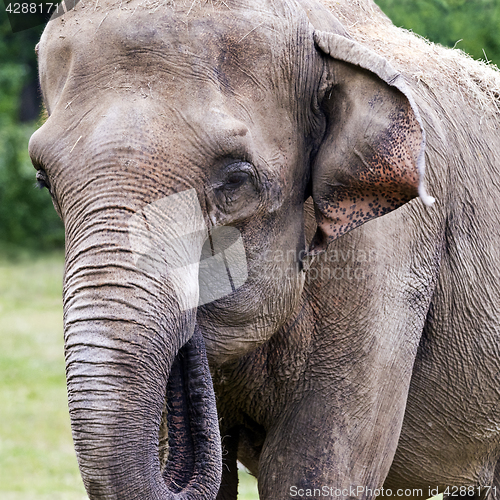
237 190
237 174
236 180
42 180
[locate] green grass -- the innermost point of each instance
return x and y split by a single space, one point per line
37 460
247 487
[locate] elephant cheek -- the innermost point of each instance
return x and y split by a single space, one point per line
245 320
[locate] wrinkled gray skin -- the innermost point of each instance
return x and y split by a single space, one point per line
373 362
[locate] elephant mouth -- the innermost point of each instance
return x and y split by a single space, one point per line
190 417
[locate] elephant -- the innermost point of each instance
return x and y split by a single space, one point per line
255 271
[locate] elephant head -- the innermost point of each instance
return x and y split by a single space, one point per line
181 144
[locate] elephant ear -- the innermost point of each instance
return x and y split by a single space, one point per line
371 158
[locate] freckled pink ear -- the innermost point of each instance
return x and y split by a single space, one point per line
371 159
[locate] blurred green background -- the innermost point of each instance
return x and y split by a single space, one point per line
37 460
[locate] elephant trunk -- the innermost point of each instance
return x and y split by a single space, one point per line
192 424
131 347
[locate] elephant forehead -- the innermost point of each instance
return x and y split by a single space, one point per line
227 47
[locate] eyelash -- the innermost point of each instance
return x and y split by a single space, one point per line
236 180
237 169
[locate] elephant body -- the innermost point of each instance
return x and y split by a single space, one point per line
431 283
349 352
